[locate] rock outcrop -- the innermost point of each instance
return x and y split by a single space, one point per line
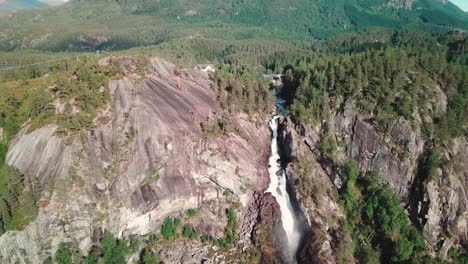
269 234
145 160
395 153
312 192
445 200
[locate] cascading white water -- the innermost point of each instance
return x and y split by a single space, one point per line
278 189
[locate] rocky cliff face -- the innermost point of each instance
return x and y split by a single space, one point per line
393 155
443 207
396 154
312 192
268 233
145 160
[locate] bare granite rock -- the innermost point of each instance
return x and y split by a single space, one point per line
269 233
145 160
317 209
396 153
446 199
393 155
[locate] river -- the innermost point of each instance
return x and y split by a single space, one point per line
277 188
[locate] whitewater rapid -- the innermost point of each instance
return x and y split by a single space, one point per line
278 189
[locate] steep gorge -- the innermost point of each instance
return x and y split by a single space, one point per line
150 156
278 188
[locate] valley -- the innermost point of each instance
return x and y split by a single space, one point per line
234 132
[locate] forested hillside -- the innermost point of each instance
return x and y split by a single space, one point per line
138 131
427 87
109 25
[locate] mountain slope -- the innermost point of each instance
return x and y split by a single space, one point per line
103 24
152 155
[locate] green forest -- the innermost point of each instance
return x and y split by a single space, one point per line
90 25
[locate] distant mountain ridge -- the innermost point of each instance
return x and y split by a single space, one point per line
12 5
110 24
7 5
318 16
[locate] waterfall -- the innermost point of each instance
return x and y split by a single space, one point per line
278 189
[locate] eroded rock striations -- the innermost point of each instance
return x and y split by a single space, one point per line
397 155
145 160
315 204
438 205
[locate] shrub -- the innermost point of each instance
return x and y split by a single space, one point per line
149 257
3 149
134 244
18 197
458 255
169 228
327 146
230 232
63 255
48 260
115 250
192 212
93 256
153 239
189 232
433 163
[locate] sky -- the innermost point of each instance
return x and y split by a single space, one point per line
463 4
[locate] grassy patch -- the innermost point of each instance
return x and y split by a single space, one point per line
153 177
